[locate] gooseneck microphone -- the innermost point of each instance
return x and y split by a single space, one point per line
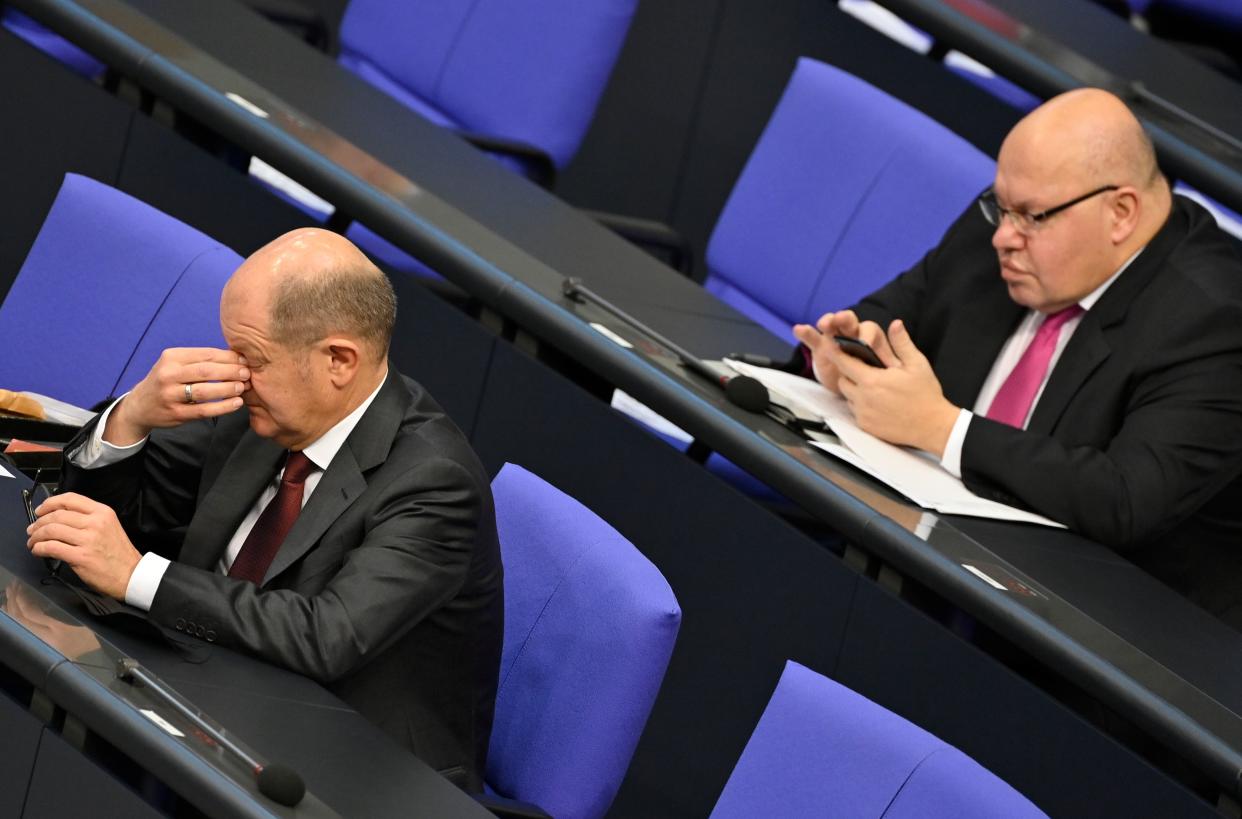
741 390
277 782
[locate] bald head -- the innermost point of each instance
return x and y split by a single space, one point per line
1087 136
312 283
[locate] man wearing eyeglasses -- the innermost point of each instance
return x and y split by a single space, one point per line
1073 345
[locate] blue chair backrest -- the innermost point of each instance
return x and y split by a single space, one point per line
108 284
846 188
821 749
527 70
589 627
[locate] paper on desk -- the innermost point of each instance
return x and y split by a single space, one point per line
62 412
910 472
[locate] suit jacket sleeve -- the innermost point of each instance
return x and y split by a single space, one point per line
415 553
153 491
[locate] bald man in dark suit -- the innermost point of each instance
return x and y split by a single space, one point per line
296 498
1073 345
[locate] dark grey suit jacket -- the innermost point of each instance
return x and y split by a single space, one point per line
387 589
1137 439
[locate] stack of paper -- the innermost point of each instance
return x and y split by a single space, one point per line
911 472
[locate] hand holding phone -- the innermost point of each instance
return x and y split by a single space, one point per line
858 349
52 564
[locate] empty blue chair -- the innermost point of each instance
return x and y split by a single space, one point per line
589 628
50 43
821 749
108 284
530 71
846 187
525 72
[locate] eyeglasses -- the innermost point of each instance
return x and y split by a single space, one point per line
1028 223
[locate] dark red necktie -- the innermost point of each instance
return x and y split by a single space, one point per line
269 531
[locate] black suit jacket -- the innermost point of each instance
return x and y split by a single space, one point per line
387 589
1137 439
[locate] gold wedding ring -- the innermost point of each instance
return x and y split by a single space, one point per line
189 393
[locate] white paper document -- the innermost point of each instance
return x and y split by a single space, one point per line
913 473
62 412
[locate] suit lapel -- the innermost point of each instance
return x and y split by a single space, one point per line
972 341
341 483
1089 347
249 468
345 478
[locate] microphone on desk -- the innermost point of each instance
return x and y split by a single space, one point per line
741 390
277 782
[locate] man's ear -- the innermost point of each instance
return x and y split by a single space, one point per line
1124 211
343 359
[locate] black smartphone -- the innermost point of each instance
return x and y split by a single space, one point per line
859 349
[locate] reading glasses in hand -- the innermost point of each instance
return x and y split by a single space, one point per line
1029 223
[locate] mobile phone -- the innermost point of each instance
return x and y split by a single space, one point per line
859 349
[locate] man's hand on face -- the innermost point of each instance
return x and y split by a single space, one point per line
87 536
902 403
187 383
819 340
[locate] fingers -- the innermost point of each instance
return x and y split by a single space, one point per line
903 345
809 336
201 392
70 501
840 323
58 532
190 355
873 334
54 549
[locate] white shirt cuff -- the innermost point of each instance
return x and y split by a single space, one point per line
145 580
951 461
97 452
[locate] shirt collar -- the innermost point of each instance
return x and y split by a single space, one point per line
324 449
1088 301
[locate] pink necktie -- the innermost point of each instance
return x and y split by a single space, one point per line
269 531
1013 402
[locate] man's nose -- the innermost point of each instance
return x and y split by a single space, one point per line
1006 236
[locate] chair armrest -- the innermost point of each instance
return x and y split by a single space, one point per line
538 164
651 234
510 808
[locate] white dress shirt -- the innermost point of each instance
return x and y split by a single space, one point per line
1009 356
145 580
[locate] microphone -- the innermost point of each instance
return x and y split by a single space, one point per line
277 782
741 390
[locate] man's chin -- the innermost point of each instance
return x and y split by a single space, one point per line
1021 294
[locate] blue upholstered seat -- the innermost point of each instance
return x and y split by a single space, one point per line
846 187
589 627
821 749
108 284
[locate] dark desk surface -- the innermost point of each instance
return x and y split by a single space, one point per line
1090 615
350 767
1052 46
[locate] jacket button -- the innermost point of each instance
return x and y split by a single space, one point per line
211 636
180 624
